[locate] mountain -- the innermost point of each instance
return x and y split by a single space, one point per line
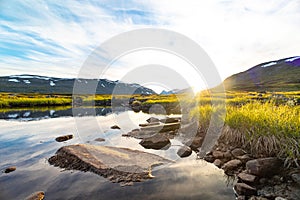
49 85
279 75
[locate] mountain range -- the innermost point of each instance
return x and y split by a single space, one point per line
278 75
49 85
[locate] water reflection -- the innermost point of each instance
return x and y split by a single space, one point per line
29 145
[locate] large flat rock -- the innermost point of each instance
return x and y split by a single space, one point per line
116 164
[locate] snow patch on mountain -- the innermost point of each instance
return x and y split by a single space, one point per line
26 81
269 64
13 80
30 76
52 83
292 59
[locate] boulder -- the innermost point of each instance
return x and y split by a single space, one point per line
63 138
247 177
231 165
184 151
218 154
218 163
117 164
36 196
238 152
264 167
115 127
244 189
10 169
156 141
209 158
152 120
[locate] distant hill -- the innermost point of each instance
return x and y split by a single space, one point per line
279 75
49 85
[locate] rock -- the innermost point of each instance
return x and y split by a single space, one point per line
162 127
231 165
149 124
238 152
139 134
115 127
63 138
264 167
280 198
244 189
257 198
152 120
247 177
136 106
209 158
170 120
10 169
117 164
296 178
218 163
184 151
227 155
100 139
244 158
195 143
36 196
156 141
218 154
241 198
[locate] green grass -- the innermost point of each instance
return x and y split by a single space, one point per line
265 124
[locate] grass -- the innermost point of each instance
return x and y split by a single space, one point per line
265 124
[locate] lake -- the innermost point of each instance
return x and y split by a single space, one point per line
28 141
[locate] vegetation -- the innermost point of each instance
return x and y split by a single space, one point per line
266 124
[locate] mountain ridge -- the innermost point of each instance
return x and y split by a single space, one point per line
277 75
27 83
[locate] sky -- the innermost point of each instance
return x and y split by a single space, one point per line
55 38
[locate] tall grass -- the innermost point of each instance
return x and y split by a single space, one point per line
263 128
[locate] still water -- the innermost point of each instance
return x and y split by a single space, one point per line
28 144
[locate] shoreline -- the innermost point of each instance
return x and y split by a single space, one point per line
258 177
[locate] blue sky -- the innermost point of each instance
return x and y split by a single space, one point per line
54 38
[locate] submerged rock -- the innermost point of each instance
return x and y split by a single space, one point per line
36 196
117 164
10 169
156 141
63 138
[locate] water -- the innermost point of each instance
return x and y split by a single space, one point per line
28 145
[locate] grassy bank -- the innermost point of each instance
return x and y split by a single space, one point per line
265 124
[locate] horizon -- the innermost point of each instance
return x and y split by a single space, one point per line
51 39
